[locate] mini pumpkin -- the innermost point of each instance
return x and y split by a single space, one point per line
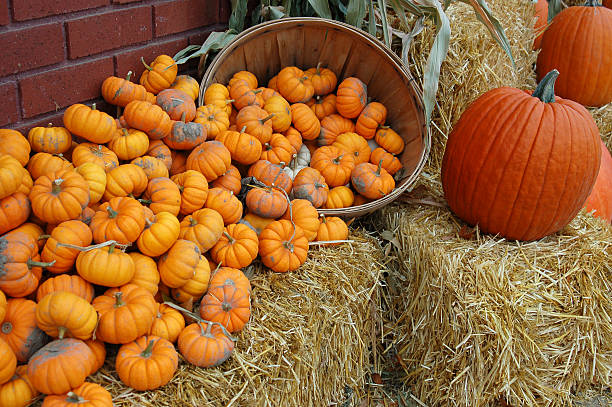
159 150
204 344
13 143
354 144
335 165
188 85
305 121
283 246
332 126
185 135
280 108
52 140
145 272
218 95
309 184
121 219
88 123
277 150
237 247
85 395
64 314
168 323
256 223
60 366
339 197
70 283
230 276
351 97
95 176
203 227
14 210
94 263
228 305
294 84
72 232
323 80
388 139
8 362
370 119
18 391
120 92
231 180
43 163
244 95
149 118
147 363
332 228
125 180
196 286
304 215
372 181
323 106
160 74
59 196
243 147
21 271
177 104
226 203
153 167
129 143
126 313
163 195
19 329
256 122
96 154
389 161
271 175
211 158
267 202
178 264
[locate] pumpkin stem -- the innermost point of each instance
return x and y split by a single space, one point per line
324 219
112 243
145 201
42 237
7 328
545 91
183 115
50 125
337 159
379 168
128 77
229 237
318 70
125 132
243 129
93 106
145 64
118 300
148 350
181 188
56 188
75 398
192 221
148 223
31 263
288 245
111 248
268 117
61 331
111 212
228 101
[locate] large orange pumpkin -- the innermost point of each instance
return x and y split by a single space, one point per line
600 199
568 50
521 165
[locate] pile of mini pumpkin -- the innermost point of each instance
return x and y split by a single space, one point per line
132 230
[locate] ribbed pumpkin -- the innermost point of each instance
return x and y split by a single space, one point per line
129 143
228 305
237 247
85 395
96 154
332 126
18 391
194 190
60 366
95 176
372 181
543 183
323 80
213 118
159 150
277 150
294 84
255 121
388 139
204 344
187 84
177 104
163 195
271 175
231 180
9 362
149 118
305 216
332 228
52 140
160 74
354 144
14 210
226 203
42 164
64 314
244 148
283 246
10 175
21 270
179 263
335 165
185 135
196 286
126 313
120 92
147 363
93 266
600 199
72 232
13 143
203 227
64 282
179 161
230 276
59 196
567 49
323 106
305 121
370 118
218 95
126 179
19 329
168 323
267 202
153 167
211 158
339 197
121 219
89 123
309 184
145 275
351 97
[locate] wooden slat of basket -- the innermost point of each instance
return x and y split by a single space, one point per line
304 42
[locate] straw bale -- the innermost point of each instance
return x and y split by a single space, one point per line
308 342
477 318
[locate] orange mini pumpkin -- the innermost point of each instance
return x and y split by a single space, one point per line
120 92
21 271
13 143
60 196
237 247
323 106
195 287
323 80
41 164
335 165
388 139
283 246
185 135
372 181
73 232
213 118
18 391
89 123
85 395
177 104
231 180
71 283
19 329
277 150
126 313
52 140
211 158
370 118
332 228
163 195
244 95
351 97
256 122
96 154
178 264
218 95
168 323
243 147
332 126
294 84
226 203
355 145
389 161
121 219
159 75
62 313
126 179
149 118
228 305
147 363
305 216
153 167
339 197
194 190
271 175
309 184
145 272
188 85
129 143
204 344
266 202
280 108
159 150
14 210
93 266
305 121
203 227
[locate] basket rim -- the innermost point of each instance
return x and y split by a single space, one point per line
408 181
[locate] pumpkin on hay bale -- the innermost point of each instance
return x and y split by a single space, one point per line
474 319
309 340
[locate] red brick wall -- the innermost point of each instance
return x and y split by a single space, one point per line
58 52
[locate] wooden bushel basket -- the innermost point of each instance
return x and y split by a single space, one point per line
302 41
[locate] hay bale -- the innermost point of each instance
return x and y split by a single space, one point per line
308 341
481 319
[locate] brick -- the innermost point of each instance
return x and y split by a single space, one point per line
97 33
31 48
183 15
124 1
9 111
199 37
30 9
58 88
225 10
4 15
55 118
130 60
